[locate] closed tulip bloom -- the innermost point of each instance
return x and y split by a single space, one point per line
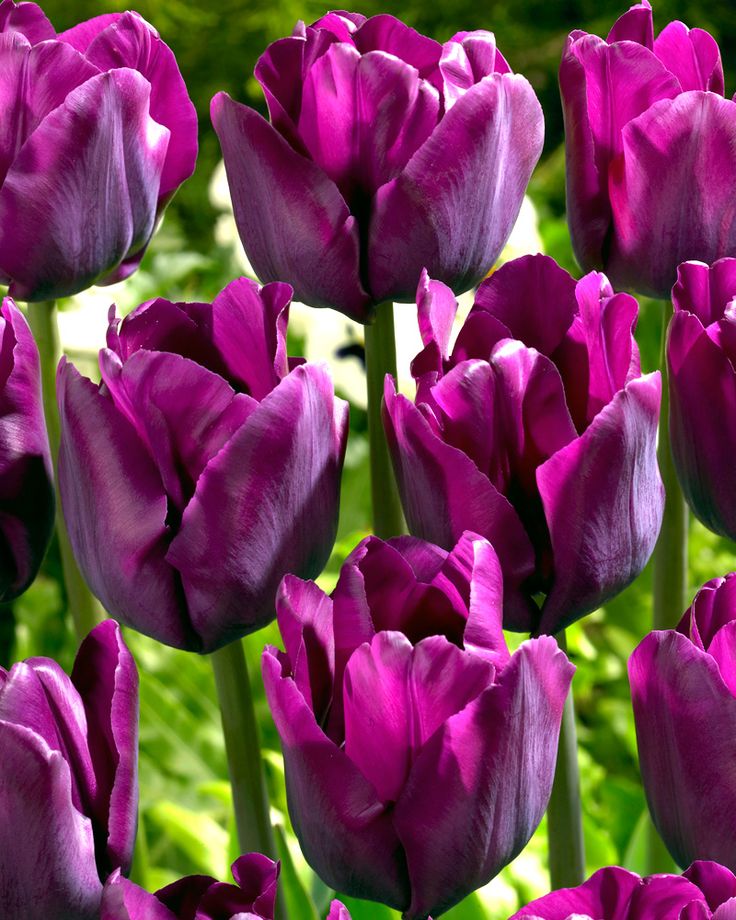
651 151
412 776
26 491
99 132
203 468
385 152
701 356
537 430
683 684
706 891
68 779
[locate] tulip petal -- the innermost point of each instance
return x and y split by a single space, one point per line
717 883
603 499
436 311
687 144
28 19
466 59
692 55
258 877
338 911
345 833
41 827
123 900
607 893
705 290
713 607
635 25
84 33
389 34
287 459
476 163
496 757
135 584
99 146
292 219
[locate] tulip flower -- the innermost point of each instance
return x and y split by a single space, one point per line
706 891
200 897
386 152
99 133
651 151
701 350
68 779
683 684
208 459
26 490
536 430
419 754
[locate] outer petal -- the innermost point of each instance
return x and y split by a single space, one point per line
702 404
113 496
338 911
267 504
81 194
677 166
123 900
293 221
717 883
606 893
692 55
705 290
28 19
480 786
453 207
345 833
443 494
685 725
635 25
603 500
47 853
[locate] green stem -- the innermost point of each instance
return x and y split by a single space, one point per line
564 812
670 561
380 359
83 607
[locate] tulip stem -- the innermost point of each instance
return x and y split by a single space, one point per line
43 320
564 812
380 359
243 748
670 561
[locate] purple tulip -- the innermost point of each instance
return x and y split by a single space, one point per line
651 151
26 490
99 134
68 779
683 684
386 152
536 430
706 891
209 460
419 754
701 351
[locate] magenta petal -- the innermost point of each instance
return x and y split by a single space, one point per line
717 883
436 309
677 167
471 758
28 19
343 830
705 290
46 845
123 900
83 34
100 145
460 194
635 25
466 59
293 221
338 911
287 459
692 55
607 893
387 33
603 500
101 510
258 877
723 650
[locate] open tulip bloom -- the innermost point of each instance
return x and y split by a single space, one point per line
68 779
706 891
386 152
207 458
98 133
537 430
419 754
683 684
651 151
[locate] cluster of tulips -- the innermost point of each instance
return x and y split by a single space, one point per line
200 478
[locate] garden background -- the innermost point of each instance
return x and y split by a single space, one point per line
185 814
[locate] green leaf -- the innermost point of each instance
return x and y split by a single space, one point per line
294 895
198 835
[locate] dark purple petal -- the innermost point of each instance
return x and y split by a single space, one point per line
123 900
460 194
258 876
692 55
705 290
712 608
603 501
28 19
292 219
159 325
607 893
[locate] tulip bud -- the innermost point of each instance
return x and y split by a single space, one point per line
386 152
650 149
99 133
26 490
536 430
683 684
705 891
399 710
207 458
68 779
